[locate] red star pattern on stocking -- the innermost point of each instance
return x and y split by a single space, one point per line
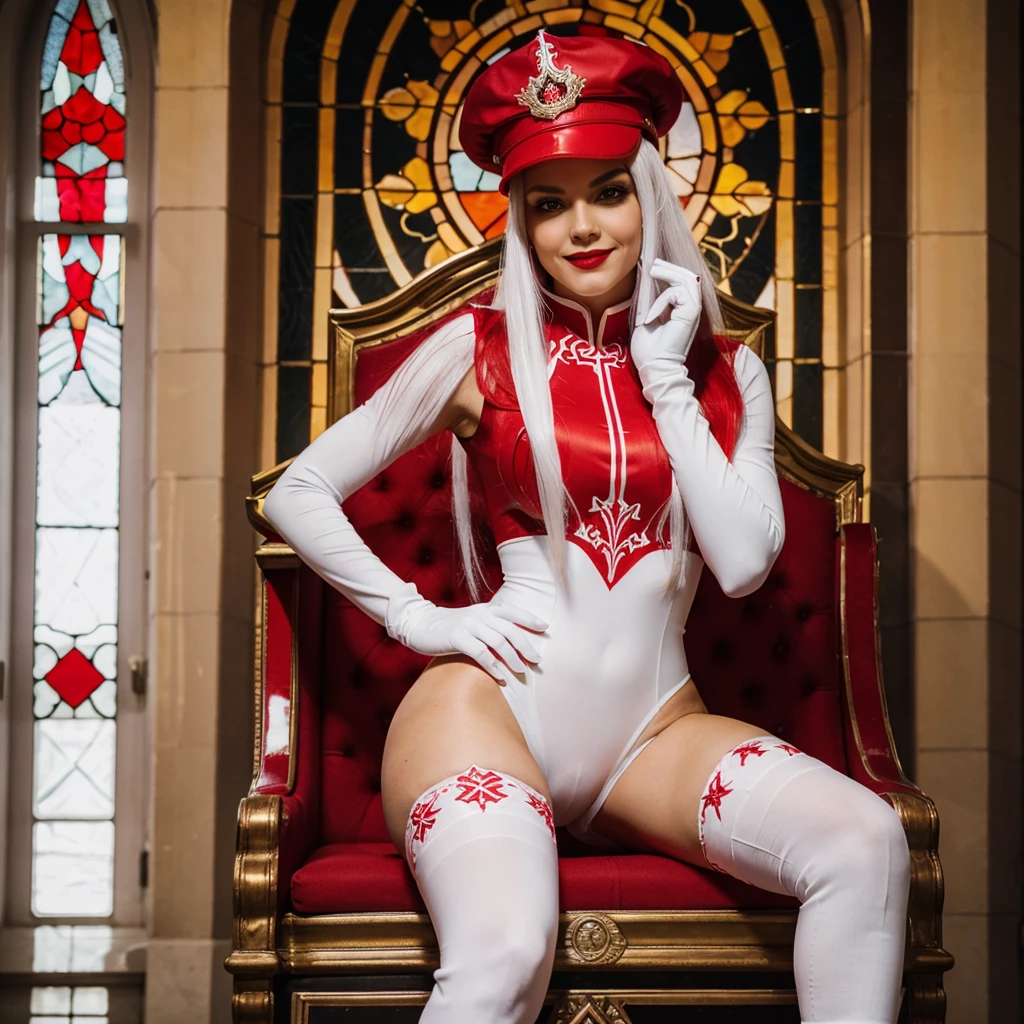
713 797
477 787
745 750
543 808
789 750
423 816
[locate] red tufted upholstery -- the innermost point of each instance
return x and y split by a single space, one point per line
771 659
373 877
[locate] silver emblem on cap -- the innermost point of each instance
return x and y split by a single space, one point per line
554 90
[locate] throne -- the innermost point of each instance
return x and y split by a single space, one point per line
328 923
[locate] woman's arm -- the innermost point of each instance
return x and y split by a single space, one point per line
418 401
734 507
426 395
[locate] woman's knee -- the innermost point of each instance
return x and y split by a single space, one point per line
524 947
868 845
503 979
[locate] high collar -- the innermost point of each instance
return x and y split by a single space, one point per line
612 329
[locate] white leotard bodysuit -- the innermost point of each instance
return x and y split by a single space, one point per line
613 653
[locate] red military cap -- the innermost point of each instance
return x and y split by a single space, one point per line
575 96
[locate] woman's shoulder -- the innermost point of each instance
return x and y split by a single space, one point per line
747 365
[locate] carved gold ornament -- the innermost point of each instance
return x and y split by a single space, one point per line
554 90
588 1009
594 939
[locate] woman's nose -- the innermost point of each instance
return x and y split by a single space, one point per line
584 228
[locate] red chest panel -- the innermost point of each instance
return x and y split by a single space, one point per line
614 465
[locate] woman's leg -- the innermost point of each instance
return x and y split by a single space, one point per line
743 802
467 802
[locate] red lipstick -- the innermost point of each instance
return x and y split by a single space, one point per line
590 259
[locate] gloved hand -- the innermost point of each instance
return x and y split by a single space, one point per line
660 346
430 629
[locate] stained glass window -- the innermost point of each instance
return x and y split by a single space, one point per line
374 187
79 314
83 117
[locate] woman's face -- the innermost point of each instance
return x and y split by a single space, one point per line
583 221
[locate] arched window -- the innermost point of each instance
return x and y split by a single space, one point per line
369 185
78 666
77 548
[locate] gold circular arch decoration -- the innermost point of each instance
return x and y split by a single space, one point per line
733 157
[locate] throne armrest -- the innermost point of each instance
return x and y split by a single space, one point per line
278 821
871 754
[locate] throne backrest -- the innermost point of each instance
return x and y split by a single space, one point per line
771 658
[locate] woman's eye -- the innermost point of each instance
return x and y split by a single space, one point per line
614 192
548 205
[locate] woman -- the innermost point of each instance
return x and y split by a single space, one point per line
594 395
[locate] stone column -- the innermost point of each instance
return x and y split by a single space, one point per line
965 473
874 325
205 336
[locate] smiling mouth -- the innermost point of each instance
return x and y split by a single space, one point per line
590 259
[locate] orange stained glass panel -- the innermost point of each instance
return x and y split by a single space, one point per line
487 211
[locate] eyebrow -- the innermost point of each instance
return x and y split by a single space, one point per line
599 180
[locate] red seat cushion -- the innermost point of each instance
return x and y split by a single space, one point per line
357 877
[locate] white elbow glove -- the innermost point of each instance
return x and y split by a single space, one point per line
430 629
305 509
659 349
734 505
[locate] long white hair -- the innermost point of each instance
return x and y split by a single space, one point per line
666 235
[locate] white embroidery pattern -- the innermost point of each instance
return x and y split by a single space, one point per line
610 539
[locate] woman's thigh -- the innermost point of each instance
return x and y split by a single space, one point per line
654 805
453 716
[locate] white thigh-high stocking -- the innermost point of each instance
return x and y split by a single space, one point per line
482 848
786 822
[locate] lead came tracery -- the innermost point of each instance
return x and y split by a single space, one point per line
80 303
374 188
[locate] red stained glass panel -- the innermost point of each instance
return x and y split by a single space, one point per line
82 130
74 677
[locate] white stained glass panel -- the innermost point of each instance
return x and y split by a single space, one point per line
55 294
467 177
76 578
106 291
116 211
105 659
103 702
101 359
47 655
90 948
74 762
79 447
73 868
57 357
47 205
684 137
91 1001
51 948
46 701
50 1000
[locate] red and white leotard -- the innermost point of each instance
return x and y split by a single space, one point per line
613 652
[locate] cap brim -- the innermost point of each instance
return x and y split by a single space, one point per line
594 140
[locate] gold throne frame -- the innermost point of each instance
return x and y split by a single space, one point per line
268 944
